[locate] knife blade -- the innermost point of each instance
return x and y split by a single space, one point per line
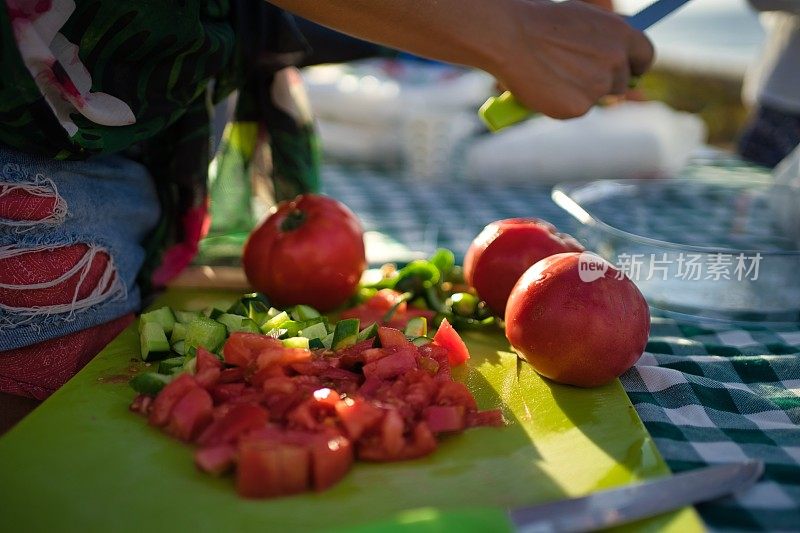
634 502
499 112
603 509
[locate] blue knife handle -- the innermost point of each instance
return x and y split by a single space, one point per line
653 13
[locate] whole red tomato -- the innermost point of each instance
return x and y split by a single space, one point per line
577 320
309 251
504 250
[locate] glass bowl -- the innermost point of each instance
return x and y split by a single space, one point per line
709 248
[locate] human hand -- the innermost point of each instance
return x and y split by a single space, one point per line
561 58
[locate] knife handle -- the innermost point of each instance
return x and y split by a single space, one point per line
499 112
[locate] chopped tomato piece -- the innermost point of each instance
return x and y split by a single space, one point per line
445 418
215 460
385 299
258 377
190 415
227 429
169 396
490 417
206 359
420 389
141 404
438 354
354 354
279 385
449 339
373 354
208 377
455 393
392 430
332 457
281 356
232 375
357 416
242 348
271 469
392 365
390 337
223 392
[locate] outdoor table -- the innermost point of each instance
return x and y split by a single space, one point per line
707 392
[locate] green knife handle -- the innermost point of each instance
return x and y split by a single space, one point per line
499 112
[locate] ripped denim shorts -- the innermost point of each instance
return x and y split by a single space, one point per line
70 243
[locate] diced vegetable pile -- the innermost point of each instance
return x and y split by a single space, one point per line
288 400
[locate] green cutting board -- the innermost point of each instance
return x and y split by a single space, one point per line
83 462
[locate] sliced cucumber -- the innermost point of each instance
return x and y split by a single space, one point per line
154 343
238 323
303 312
296 342
316 344
168 365
314 331
213 312
368 332
294 327
416 327
190 365
149 383
205 332
243 305
179 347
421 341
184 317
178 333
345 334
275 322
277 333
258 312
327 342
163 316
238 308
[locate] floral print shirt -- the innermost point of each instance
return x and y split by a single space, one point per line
86 77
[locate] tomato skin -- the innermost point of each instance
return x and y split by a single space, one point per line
504 250
318 263
583 333
449 339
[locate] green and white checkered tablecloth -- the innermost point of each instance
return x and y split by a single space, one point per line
707 393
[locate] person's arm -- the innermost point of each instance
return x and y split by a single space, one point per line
557 58
331 46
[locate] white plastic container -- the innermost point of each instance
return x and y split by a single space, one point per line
627 140
398 113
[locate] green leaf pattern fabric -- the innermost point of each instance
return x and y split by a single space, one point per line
86 77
